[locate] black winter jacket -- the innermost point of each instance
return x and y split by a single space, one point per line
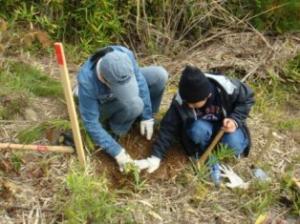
236 98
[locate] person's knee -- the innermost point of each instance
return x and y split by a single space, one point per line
235 142
161 77
134 107
200 132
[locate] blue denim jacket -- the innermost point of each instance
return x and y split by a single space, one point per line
92 94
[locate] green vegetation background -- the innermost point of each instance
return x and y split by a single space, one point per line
92 23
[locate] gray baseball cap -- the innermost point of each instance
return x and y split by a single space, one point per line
117 69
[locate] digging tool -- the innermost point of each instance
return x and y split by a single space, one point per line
38 148
70 102
210 148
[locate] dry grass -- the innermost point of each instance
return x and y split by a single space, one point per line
237 51
29 191
30 183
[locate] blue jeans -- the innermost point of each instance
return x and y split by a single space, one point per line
201 133
121 116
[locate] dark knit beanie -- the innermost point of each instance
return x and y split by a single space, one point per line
193 85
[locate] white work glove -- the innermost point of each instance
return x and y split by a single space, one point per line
235 180
122 159
147 128
151 164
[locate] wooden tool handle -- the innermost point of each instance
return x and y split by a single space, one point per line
39 148
212 145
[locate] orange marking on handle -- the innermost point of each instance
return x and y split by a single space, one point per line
59 53
41 148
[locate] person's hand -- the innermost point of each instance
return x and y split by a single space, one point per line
147 128
234 180
122 159
229 125
151 164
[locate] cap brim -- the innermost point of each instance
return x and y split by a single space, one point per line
125 91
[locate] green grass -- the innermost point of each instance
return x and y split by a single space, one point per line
223 153
277 16
273 97
288 189
292 70
259 198
90 24
75 54
289 124
16 161
36 132
201 171
17 76
134 174
201 191
12 103
19 82
262 196
91 201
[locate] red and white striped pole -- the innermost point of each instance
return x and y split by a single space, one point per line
70 102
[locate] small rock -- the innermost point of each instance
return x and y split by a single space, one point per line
277 136
266 131
30 115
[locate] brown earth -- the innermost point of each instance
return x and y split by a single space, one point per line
29 182
139 148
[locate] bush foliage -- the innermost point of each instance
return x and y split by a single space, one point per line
155 24
275 16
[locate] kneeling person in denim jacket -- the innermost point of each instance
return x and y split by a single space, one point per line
112 88
204 104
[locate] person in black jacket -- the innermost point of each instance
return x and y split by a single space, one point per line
204 104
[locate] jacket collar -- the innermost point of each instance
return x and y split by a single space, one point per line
223 81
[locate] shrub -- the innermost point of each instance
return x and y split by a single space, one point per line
275 16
